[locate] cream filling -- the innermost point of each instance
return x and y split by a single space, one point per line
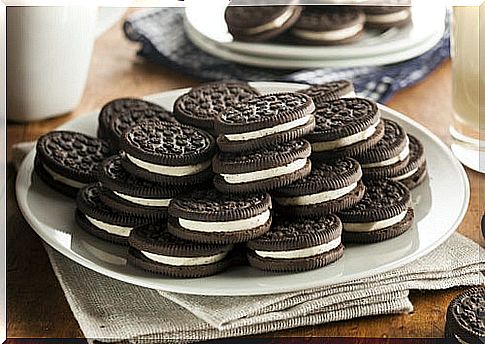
184 261
405 175
62 179
149 202
170 170
387 18
300 253
324 196
373 226
269 131
334 35
345 141
403 155
265 174
349 95
275 24
112 229
226 226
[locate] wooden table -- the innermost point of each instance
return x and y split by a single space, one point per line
36 303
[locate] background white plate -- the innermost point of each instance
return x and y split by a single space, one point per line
440 204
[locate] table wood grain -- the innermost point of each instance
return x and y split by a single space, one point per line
36 306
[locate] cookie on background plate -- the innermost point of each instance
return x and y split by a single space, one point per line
330 91
385 17
297 245
265 120
383 213
415 171
209 216
154 249
68 161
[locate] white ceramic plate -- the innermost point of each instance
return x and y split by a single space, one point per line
440 204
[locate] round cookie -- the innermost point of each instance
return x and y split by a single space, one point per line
262 170
297 245
96 218
330 91
260 23
168 153
329 25
383 213
345 128
330 187
385 17
415 171
154 249
202 104
265 120
465 317
211 217
68 161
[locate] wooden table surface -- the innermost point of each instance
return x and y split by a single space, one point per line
36 306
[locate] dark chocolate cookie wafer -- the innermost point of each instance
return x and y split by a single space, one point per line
345 128
384 17
154 249
211 217
383 213
202 104
330 91
330 187
265 120
415 171
67 160
168 153
262 170
297 245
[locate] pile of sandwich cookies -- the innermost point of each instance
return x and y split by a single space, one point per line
278 181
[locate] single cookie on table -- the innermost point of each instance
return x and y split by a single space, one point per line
260 23
212 217
389 157
383 213
154 249
330 91
385 17
265 120
129 194
465 317
200 106
122 113
345 128
168 153
297 245
68 161
329 25
415 171
262 170
330 187
98 219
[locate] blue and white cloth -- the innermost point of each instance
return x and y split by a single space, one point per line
163 40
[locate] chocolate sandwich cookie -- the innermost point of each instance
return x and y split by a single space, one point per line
345 128
168 153
330 91
212 217
96 218
329 25
330 187
264 120
154 249
297 245
260 23
202 104
120 114
67 160
383 213
389 156
415 171
262 170
384 17
465 317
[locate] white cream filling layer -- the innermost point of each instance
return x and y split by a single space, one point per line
349 95
334 35
406 175
320 197
149 202
300 253
226 226
176 171
112 229
345 141
388 18
62 179
265 174
184 261
269 131
373 226
400 157
275 24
